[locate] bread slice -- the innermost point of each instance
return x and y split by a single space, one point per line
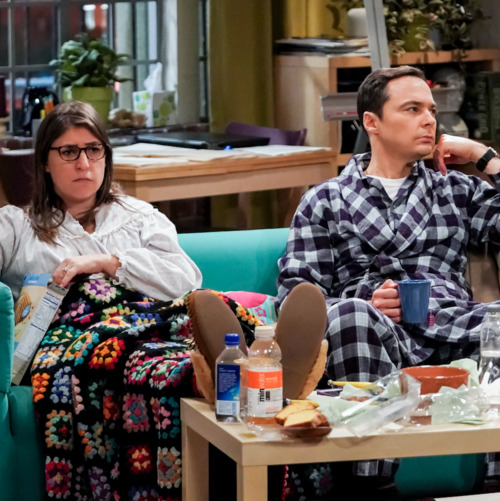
309 418
315 404
295 406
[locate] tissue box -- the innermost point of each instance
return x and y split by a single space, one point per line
157 106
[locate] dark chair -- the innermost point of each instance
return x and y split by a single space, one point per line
276 136
16 172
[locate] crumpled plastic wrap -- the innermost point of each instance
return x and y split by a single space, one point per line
471 366
397 396
365 410
466 405
463 405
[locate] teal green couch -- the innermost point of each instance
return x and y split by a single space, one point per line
229 261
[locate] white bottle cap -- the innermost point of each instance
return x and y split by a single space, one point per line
265 332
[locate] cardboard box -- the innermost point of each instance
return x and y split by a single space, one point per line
34 311
158 107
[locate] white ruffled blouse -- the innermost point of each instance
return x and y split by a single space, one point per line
142 238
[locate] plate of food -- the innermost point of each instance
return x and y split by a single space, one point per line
299 419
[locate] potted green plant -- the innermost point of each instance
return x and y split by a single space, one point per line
410 22
86 69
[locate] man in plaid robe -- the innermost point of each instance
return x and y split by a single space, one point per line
387 217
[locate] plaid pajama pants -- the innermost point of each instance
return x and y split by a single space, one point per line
365 345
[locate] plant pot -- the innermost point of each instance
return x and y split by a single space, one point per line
412 44
99 97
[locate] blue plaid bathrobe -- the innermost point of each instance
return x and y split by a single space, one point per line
348 237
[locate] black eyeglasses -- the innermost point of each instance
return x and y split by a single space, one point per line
72 153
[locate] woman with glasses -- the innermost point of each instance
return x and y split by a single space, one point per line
109 373
79 222
114 253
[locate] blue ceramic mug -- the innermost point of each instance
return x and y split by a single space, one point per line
414 296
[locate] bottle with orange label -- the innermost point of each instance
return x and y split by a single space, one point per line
265 377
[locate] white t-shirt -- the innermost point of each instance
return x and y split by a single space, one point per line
391 186
143 239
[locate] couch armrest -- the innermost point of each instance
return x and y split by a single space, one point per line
6 337
8 465
30 474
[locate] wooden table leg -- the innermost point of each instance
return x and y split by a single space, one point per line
288 201
252 483
294 201
244 210
194 465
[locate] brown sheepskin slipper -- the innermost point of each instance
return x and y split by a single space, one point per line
211 320
316 373
300 330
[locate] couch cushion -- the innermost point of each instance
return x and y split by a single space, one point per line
259 305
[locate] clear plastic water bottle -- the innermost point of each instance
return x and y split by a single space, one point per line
489 366
265 377
229 379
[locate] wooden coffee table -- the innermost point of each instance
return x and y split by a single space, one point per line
253 455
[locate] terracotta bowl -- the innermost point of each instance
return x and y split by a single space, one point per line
433 377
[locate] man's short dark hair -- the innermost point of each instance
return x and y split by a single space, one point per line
372 94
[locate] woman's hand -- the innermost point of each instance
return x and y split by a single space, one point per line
386 300
85 265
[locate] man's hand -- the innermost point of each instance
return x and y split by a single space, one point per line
386 300
85 265
456 150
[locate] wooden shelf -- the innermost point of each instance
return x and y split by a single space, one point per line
301 80
410 58
418 58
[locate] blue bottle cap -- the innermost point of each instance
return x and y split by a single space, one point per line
232 339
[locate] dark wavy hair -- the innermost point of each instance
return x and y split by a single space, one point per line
46 210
